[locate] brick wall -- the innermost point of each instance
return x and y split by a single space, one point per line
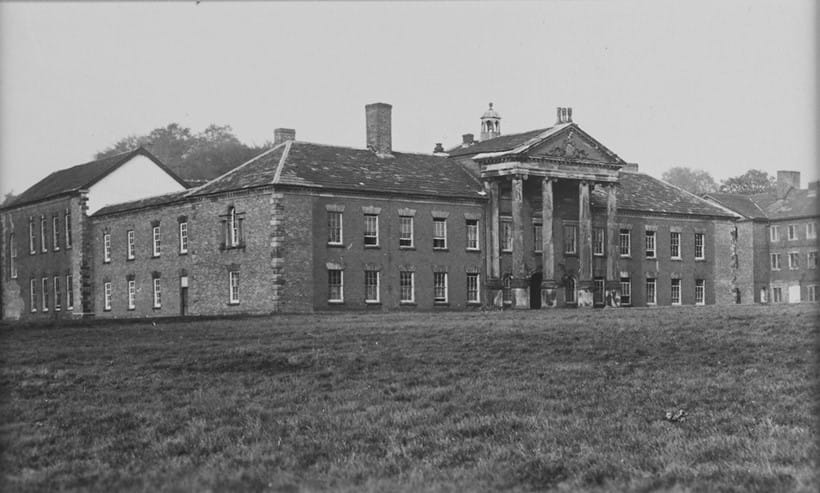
804 275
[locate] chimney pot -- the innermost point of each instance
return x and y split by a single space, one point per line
438 148
283 134
379 134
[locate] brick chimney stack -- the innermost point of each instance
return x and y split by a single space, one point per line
379 134
282 135
786 180
467 139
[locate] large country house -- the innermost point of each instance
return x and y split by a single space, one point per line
540 219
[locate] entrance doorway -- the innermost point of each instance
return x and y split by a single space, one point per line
535 290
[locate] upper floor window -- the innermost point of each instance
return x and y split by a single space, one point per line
68 233
234 229
774 233
439 234
406 231
334 227
371 230
106 247
650 244
700 251
131 244
598 241
155 235
32 237
792 229
55 233
472 234
774 260
183 237
811 231
537 237
506 235
12 256
674 244
794 260
570 239
625 243
43 235
811 260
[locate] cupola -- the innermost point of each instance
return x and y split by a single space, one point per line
490 124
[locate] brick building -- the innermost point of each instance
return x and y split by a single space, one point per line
538 219
776 241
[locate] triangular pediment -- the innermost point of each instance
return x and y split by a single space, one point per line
573 144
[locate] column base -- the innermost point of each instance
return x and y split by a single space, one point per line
549 295
612 296
521 298
584 295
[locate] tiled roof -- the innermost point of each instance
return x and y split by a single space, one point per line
742 204
80 176
643 193
165 199
501 143
333 167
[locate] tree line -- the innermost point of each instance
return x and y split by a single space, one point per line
699 182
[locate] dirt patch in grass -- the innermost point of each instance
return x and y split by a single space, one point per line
526 401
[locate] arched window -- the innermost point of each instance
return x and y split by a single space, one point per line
570 291
506 291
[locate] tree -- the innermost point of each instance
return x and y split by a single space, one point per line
194 157
8 198
692 180
750 182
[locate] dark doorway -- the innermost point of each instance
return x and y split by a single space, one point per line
535 290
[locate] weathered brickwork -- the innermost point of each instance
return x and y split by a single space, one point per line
752 259
793 278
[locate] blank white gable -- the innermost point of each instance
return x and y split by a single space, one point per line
137 179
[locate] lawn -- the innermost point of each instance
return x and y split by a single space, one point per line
565 400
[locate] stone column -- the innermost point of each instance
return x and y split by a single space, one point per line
495 296
548 284
584 285
613 281
520 292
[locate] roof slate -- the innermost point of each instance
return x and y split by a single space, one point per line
797 203
165 199
80 176
742 204
501 143
641 192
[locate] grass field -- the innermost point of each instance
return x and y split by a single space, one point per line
566 400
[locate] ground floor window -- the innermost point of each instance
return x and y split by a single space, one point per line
651 294
45 294
777 295
32 295
58 295
472 288
107 296
440 287
335 285
811 293
407 290
371 286
233 287
132 294
626 291
598 291
157 293
569 291
506 289
700 292
69 292
676 291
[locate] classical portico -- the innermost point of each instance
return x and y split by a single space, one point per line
562 158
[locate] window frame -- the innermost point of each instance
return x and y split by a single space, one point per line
651 244
791 232
700 291
774 233
132 294
777 294
68 232
651 282
369 274
811 259
811 231
106 248
370 233
439 233
233 287
332 228
107 296
69 292
331 285
156 241
131 244
43 234
473 225
403 276
700 249
32 237
156 292
625 233
44 299
626 282
32 294
58 300
55 233
775 261
570 239
477 278
506 235
675 291
12 255
598 242
538 236
674 245
409 240
183 237
437 287
794 260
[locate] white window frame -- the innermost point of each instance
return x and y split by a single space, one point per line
43 227
69 292
12 256
792 232
32 294
106 247
794 260
675 291
44 299
68 238
331 227
700 291
406 242
473 225
107 296
474 277
156 241
131 242
233 287
32 237
598 247
624 233
437 276
506 234
651 244
183 237
774 233
571 248
58 302
55 233
777 294
626 291
368 234
234 232
653 282
341 285
440 233
157 291
774 261
377 286
811 259
700 250
674 245
811 231
132 294
537 236
412 277
811 292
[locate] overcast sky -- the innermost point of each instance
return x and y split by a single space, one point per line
720 86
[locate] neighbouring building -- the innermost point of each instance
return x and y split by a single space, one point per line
776 241
540 219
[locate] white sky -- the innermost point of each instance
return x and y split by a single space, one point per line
720 86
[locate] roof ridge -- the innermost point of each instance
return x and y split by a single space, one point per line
281 163
196 189
363 149
687 192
